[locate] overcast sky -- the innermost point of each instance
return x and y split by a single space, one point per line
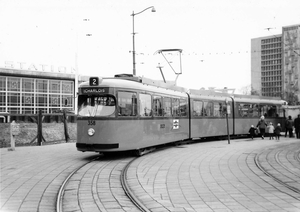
215 36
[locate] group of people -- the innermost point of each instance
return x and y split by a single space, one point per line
263 128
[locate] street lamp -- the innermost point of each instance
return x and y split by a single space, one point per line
133 34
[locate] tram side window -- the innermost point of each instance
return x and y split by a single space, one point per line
248 110
280 112
157 106
127 103
218 109
197 108
268 111
255 110
183 107
272 111
145 105
167 106
244 110
175 107
208 109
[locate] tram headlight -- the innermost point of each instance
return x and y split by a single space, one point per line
91 132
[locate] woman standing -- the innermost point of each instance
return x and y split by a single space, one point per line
262 126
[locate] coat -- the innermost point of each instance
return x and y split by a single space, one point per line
261 124
278 130
252 130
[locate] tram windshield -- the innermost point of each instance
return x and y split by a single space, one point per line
96 105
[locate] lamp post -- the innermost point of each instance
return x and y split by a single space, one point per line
76 65
133 34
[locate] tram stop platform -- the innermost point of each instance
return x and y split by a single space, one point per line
245 175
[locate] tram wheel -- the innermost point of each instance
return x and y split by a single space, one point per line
138 152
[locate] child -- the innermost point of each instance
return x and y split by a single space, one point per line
271 130
277 130
252 131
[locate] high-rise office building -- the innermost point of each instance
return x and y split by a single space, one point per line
275 64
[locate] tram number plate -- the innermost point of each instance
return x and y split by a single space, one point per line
91 122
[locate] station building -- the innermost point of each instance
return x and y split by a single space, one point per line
28 90
275 63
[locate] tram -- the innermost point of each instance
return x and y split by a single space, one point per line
129 113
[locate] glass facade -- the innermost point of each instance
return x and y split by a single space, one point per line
20 95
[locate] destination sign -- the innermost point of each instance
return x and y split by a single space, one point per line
93 90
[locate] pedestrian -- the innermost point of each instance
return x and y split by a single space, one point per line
289 126
297 126
271 130
286 129
262 126
277 131
252 131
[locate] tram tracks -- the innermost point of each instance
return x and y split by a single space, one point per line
59 198
279 164
99 184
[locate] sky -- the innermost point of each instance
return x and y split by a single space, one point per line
96 36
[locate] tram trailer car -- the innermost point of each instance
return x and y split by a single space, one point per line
249 109
132 113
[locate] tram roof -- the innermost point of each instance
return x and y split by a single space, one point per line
237 97
134 82
131 81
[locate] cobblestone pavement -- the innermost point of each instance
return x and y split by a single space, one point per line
207 176
215 176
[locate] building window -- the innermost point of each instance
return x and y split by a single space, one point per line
41 100
54 100
54 86
2 83
13 84
14 110
67 100
2 99
67 87
28 85
13 99
27 99
28 110
42 86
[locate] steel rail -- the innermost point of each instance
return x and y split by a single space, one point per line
62 187
257 163
128 191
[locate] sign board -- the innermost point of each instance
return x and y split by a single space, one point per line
175 124
94 81
15 128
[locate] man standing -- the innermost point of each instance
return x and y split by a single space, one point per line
297 126
289 126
